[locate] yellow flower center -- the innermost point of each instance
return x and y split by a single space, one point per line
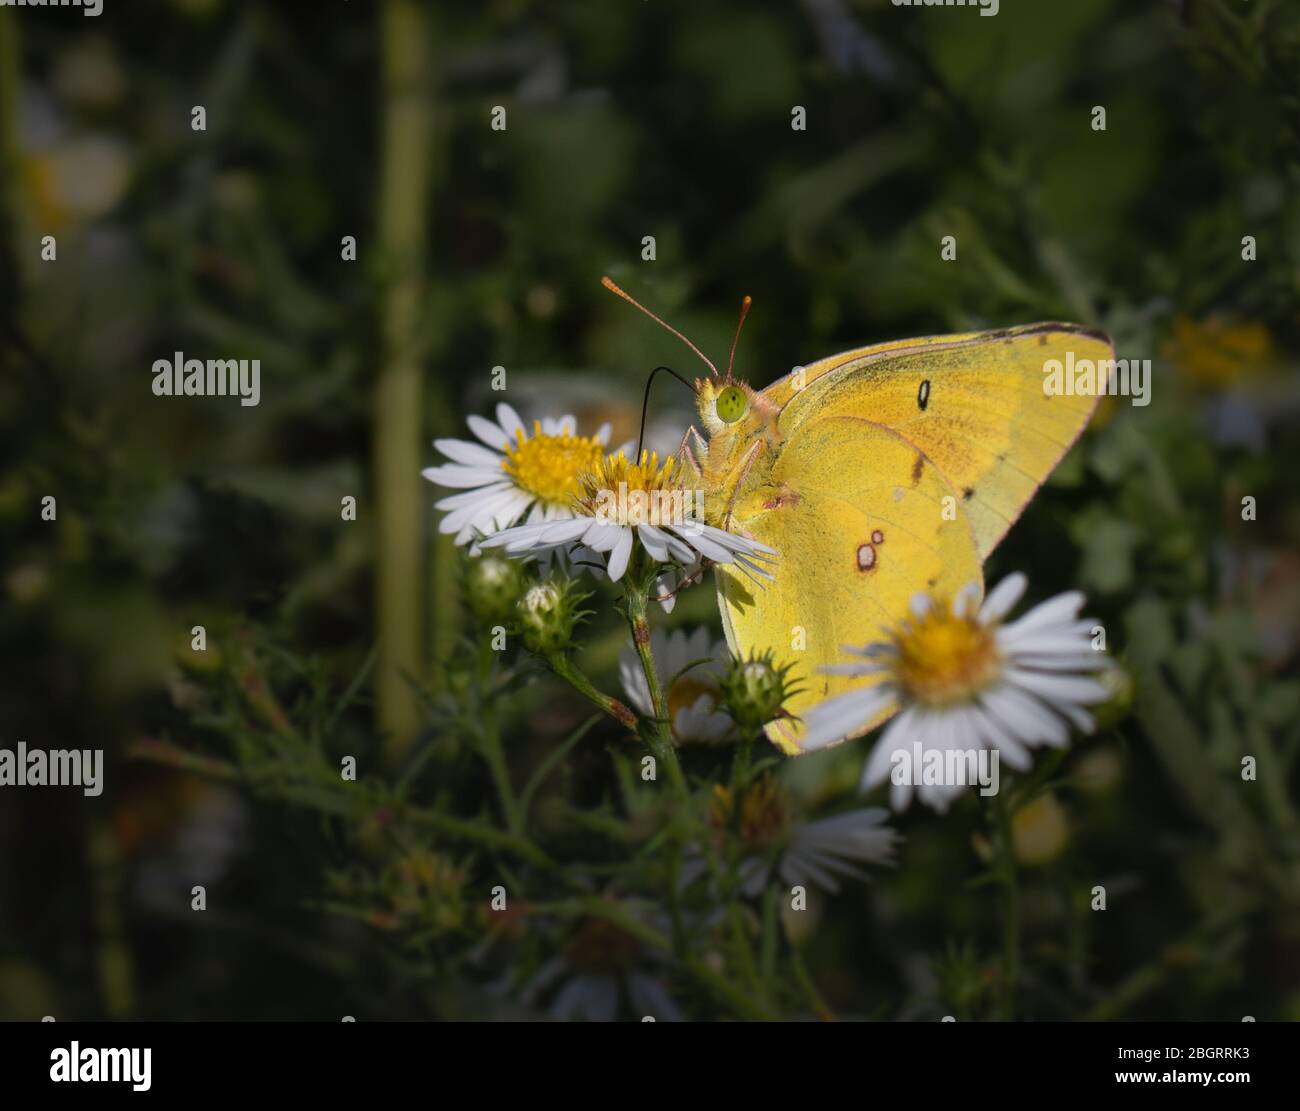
1218 353
549 466
763 816
943 658
641 493
684 693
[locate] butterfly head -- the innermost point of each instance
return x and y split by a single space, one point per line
723 402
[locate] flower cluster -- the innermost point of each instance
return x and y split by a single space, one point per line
955 678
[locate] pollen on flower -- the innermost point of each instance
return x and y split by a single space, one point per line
944 658
643 493
550 466
686 691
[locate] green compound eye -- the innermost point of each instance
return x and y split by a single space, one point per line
731 405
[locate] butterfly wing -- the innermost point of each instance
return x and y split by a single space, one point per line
975 404
858 515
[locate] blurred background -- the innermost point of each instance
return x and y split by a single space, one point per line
478 248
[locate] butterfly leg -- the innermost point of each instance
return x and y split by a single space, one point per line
687 454
745 464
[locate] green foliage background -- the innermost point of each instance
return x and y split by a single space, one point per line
625 120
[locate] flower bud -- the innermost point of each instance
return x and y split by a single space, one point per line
493 584
1039 831
547 614
1119 682
754 689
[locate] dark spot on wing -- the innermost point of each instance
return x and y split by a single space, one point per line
923 395
917 467
968 493
785 497
1042 341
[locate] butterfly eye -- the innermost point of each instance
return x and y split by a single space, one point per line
731 405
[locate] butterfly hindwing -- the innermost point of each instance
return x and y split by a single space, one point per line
863 521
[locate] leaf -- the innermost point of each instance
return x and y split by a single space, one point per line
553 758
682 671
1149 631
1182 751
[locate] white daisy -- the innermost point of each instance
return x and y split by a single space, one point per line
674 580
819 851
604 972
964 681
693 695
620 503
512 474
816 854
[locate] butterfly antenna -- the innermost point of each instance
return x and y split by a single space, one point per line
744 312
645 403
608 283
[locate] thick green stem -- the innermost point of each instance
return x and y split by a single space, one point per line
398 413
740 768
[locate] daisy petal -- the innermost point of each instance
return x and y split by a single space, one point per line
488 432
510 421
622 552
1003 597
474 455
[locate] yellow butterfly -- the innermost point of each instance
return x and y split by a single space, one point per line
877 474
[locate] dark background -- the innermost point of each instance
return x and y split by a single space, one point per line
479 248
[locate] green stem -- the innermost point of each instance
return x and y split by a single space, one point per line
16 262
726 882
658 735
740 769
490 740
113 953
1011 912
805 979
567 670
398 412
348 803
163 752
598 907
485 835
675 853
